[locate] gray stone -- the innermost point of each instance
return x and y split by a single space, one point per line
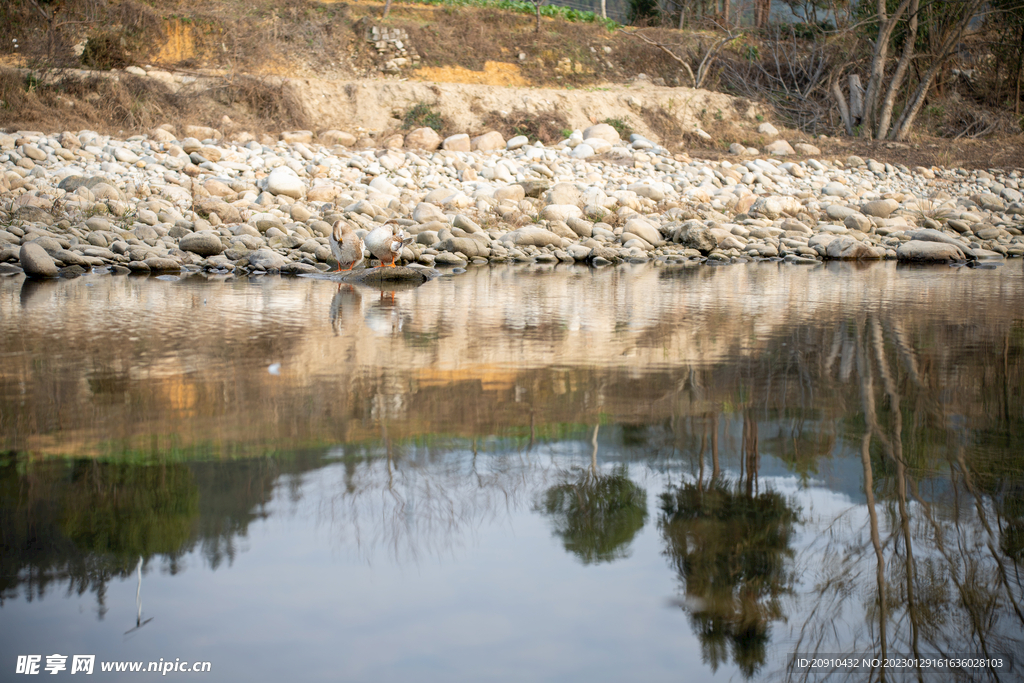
644 230
849 249
532 236
929 235
33 214
655 194
698 237
928 252
36 262
880 208
203 243
582 228
859 222
535 188
159 264
267 259
466 245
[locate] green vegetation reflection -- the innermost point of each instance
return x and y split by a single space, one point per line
596 515
730 548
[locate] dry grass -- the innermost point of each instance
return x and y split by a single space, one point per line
132 105
548 127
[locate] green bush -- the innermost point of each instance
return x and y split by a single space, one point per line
523 7
422 116
621 127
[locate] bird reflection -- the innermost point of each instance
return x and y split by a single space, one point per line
385 316
346 306
139 623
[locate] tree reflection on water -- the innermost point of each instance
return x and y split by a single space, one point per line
731 549
596 515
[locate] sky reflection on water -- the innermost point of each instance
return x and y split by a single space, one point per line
515 473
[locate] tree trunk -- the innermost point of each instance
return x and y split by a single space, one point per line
726 10
885 115
762 9
1020 64
880 56
915 103
604 9
844 111
856 99
387 9
537 3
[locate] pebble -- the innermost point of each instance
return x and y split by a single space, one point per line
159 204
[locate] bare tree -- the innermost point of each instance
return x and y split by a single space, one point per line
886 81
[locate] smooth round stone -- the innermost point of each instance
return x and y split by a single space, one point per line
36 262
516 142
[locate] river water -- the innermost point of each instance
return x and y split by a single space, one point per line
647 472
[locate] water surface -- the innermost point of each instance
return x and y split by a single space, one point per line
542 473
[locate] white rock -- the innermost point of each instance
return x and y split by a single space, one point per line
283 180
604 132
582 151
560 212
517 142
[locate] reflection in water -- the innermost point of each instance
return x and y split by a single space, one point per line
933 557
139 623
835 472
730 548
596 515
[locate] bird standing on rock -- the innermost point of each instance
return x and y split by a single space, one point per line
386 242
346 246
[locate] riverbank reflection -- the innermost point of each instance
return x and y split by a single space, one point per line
814 461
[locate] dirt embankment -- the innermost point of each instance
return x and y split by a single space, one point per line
270 66
378 105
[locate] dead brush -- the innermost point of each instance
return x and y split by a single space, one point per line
933 209
270 104
546 126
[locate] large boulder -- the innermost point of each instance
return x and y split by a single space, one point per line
423 138
36 262
699 237
604 132
643 229
283 180
204 243
488 142
846 248
532 235
921 251
457 143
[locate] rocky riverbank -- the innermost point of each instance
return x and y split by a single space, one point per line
168 201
